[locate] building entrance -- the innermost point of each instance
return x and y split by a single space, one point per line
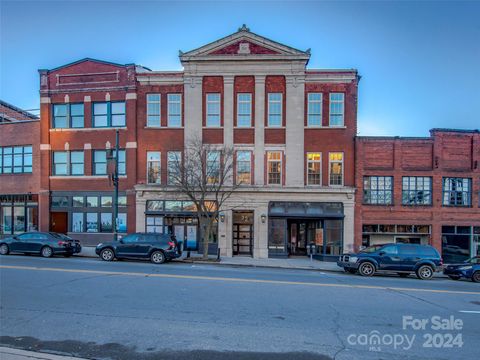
242 233
59 222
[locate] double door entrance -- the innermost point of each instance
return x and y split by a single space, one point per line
242 233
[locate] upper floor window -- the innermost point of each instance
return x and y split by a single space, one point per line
275 109
153 110
377 190
337 109
68 163
335 166
213 110
314 169
109 114
174 163
416 190
244 167
314 109
244 110
213 167
174 110
68 116
153 167
15 159
100 158
274 167
457 191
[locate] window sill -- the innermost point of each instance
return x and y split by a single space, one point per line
162 127
275 127
89 129
326 127
81 177
213 127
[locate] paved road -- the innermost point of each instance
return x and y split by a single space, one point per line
135 310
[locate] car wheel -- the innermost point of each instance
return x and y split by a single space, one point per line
46 251
107 254
425 272
454 277
476 276
366 269
157 257
350 271
403 275
4 250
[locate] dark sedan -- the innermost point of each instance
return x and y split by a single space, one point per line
469 269
159 248
46 244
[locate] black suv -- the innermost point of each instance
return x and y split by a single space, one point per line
403 259
156 247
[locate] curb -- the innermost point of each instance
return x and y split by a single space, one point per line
7 353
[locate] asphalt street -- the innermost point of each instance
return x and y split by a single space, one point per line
135 310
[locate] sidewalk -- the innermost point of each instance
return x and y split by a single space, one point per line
16 354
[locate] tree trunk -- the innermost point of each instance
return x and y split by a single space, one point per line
206 239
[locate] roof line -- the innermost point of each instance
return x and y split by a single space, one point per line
17 109
83 60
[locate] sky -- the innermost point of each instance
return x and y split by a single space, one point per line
419 61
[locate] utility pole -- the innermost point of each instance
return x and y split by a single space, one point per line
115 184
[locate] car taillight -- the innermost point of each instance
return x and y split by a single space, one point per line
61 243
171 244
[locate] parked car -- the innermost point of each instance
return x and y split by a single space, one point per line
46 244
159 248
403 259
469 269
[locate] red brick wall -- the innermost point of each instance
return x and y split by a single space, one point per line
445 154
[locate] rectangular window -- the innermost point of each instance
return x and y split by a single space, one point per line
77 222
416 190
153 167
16 159
213 110
274 167
99 162
106 222
337 109
122 168
244 110
122 223
244 167
457 191
174 165
122 201
213 167
154 224
335 166
314 168
378 190
314 109
275 109
78 201
174 110
68 163
68 116
92 222
92 201
109 114
153 110
106 201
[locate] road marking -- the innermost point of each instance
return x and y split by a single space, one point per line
470 311
230 279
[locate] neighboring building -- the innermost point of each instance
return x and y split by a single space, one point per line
420 190
292 128
19 172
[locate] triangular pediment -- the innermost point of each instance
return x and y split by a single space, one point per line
244 44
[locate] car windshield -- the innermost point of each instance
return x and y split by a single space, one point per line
371 249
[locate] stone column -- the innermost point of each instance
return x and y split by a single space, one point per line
193 107
294 135
260 249
348 224
259 152
228 117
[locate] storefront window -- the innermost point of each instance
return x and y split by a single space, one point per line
106 201
154 205
78 201
32 219
77 222
6 216
59 201
106 222
92 222
277 235
18 219
122 223
173 206
92 201
154 224
456 243
333 237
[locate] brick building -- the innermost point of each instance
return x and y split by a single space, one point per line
420 190
292 128
19 170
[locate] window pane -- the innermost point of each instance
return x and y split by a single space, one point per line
100 120
100 108
118 108
106 201
92 222
118 120
78 201
92 201
106 222
77 222
122 223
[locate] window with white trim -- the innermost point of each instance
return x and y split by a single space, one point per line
174 163
274 167
335 166
314 168
416 190
174 110
213 110
244 110
275 106
314 110
153 167
213 166
378 190
244 167
337 108
153 110
457 191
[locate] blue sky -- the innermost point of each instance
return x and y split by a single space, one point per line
419 61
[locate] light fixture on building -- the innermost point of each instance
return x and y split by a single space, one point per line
222 217
263 217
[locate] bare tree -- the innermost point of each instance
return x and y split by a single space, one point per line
204 174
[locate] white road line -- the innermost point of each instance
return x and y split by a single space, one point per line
470 311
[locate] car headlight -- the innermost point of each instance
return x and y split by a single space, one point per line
465 267
353 259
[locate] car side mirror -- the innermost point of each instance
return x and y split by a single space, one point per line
381 253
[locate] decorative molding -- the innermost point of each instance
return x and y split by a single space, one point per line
45 100
131 145
107 96
87 146
45 147
87 99
108 145
67 146
114 74
66 99
131 96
